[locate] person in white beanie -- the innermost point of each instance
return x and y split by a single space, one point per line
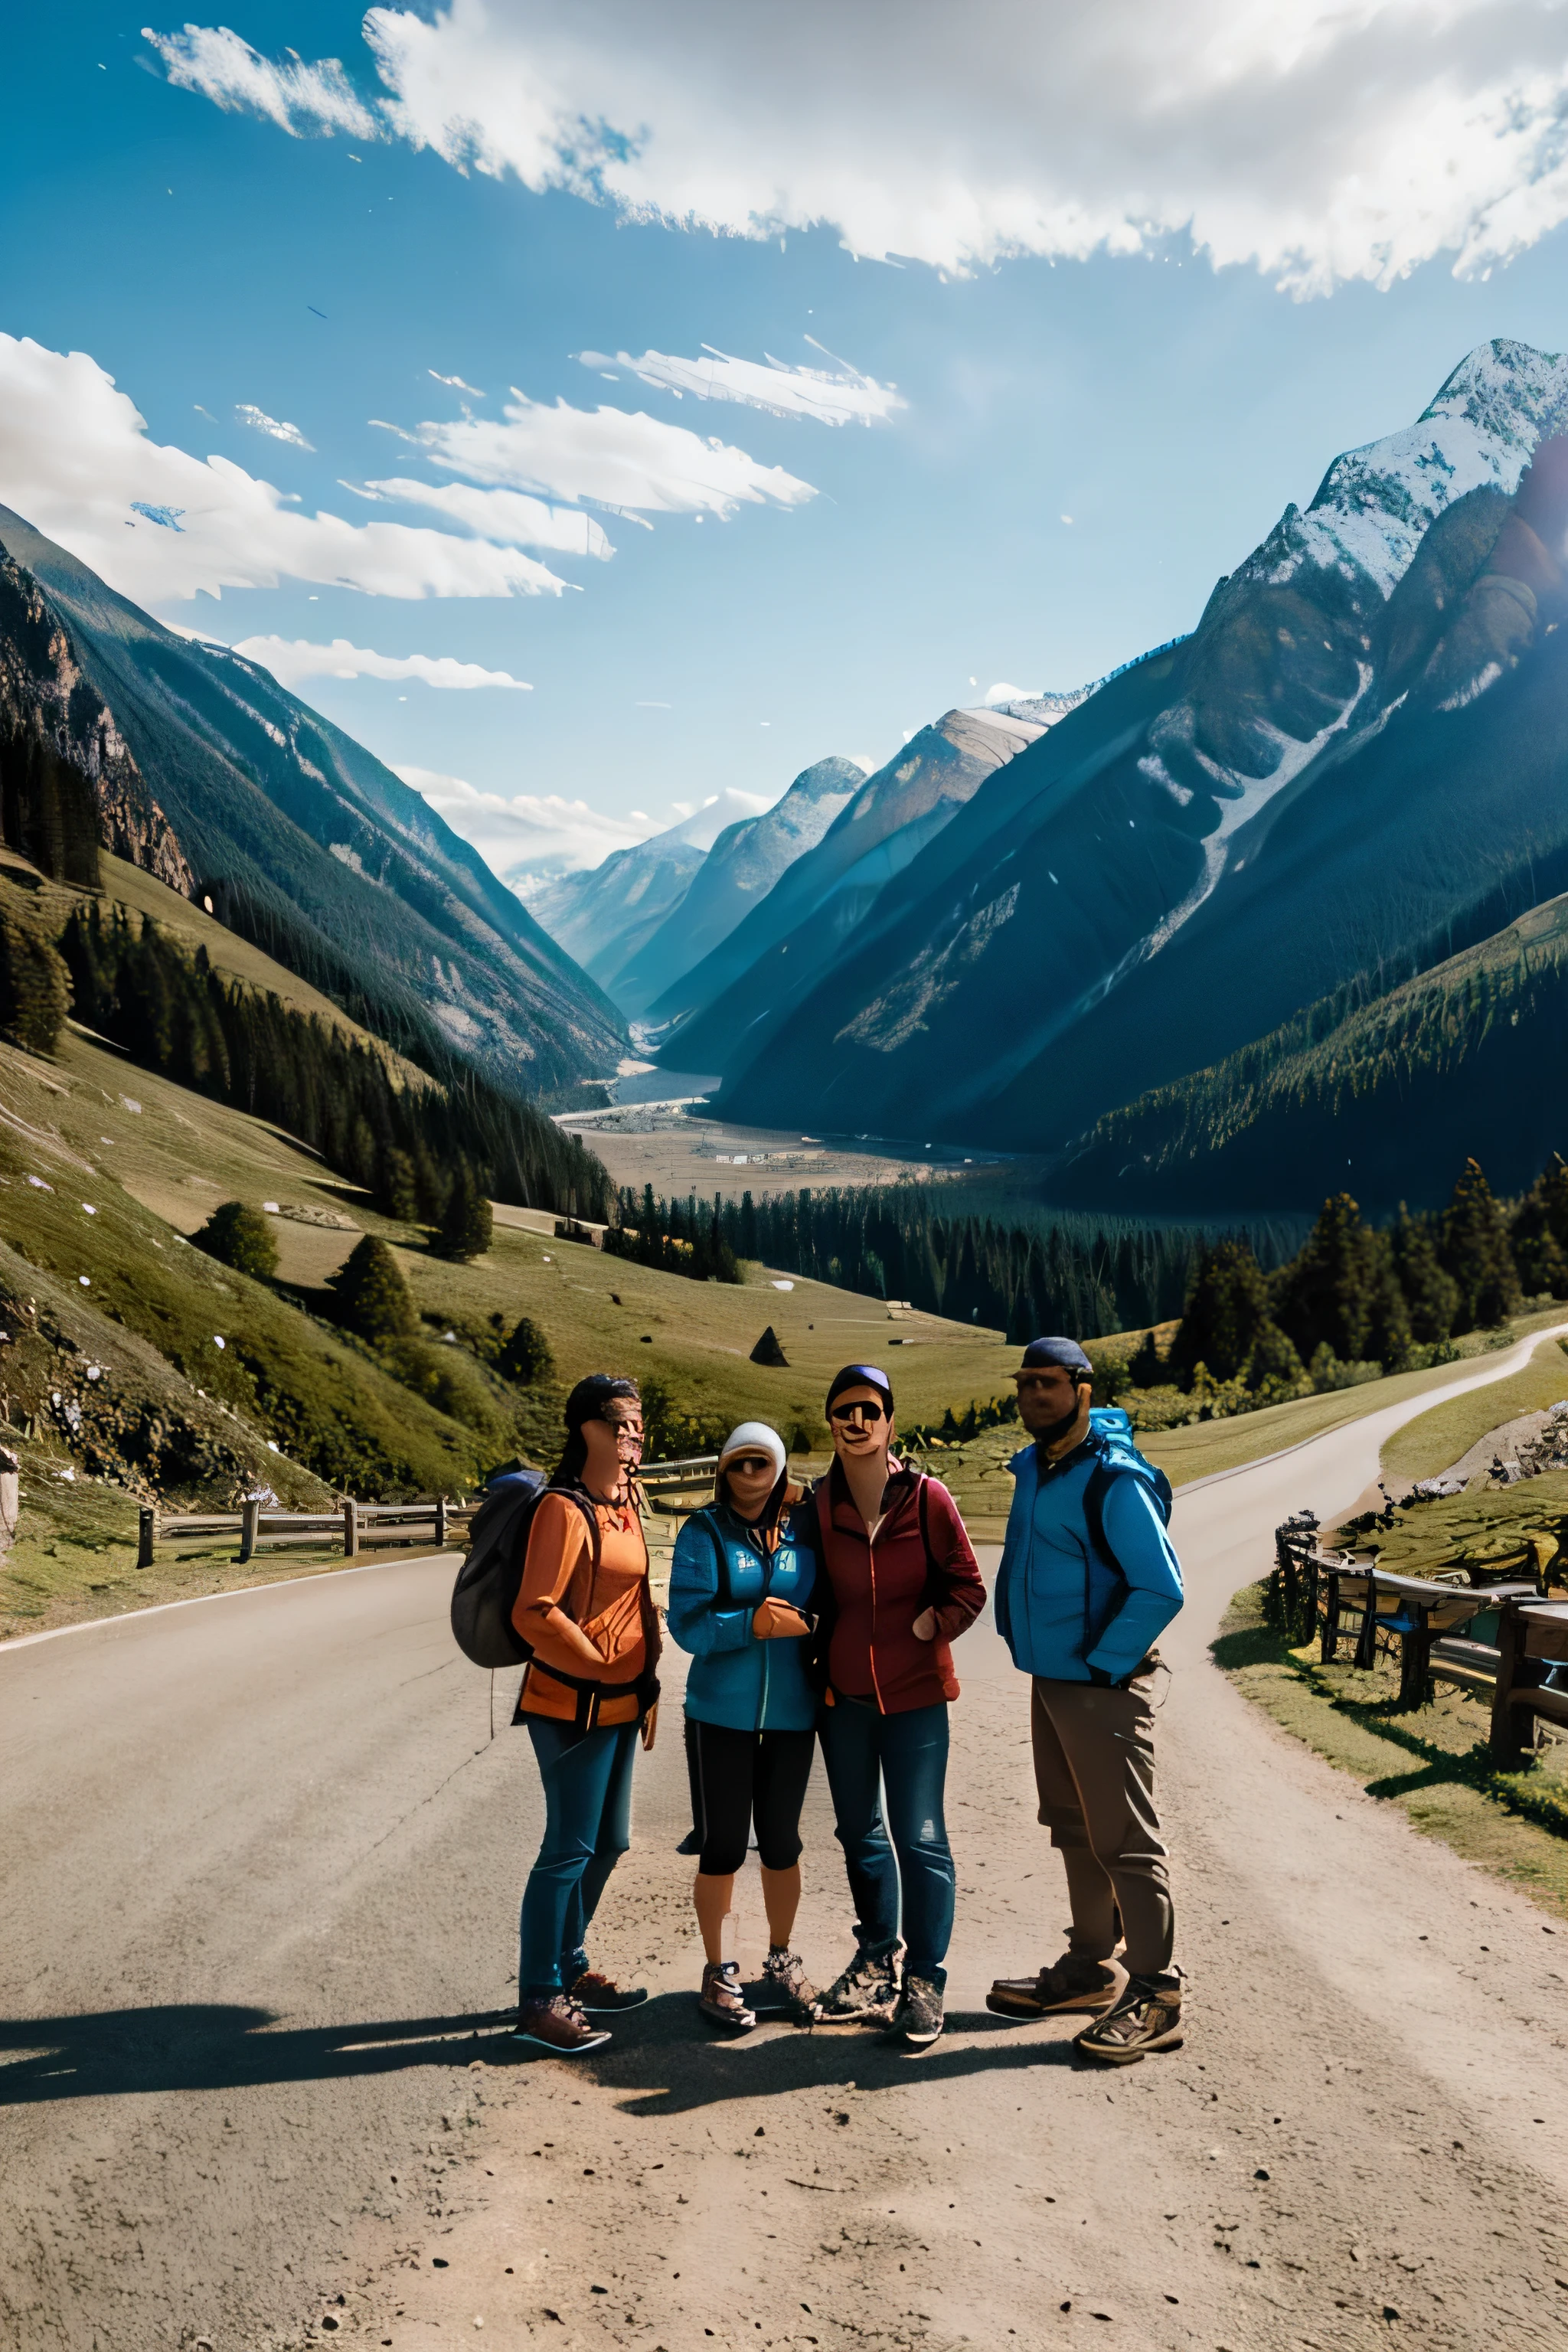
740 1589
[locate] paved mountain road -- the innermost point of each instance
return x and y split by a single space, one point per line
260 1868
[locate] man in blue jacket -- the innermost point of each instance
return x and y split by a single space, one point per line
1088 1582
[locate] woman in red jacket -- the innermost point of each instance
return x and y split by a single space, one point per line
903 1584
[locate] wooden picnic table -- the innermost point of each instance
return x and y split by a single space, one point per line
1420 1610
1532 1640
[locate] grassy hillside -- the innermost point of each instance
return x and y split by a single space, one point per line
1383 1095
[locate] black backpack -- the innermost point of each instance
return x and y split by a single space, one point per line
486 1591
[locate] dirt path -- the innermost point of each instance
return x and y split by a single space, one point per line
262 1867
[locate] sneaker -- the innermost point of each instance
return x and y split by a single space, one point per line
783 1990
720 1999
556 2024
1068 1983
866 1994
918 2019
1147 2017
601 1996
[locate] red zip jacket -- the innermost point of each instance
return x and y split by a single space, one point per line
879 1590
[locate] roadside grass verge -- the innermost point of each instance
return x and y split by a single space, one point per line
1424 1448
1432 1764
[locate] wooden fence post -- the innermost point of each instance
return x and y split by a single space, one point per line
351 1527
440 1519
149 1535
1506 1741
250 1515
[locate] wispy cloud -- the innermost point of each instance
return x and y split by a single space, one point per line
530 836
1317 140
508 516
292 663
76 459
457 384
276 430
607 458
846 397
299 98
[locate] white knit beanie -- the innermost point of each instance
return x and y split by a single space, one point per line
755 1437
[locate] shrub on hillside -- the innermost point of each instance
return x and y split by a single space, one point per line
35 985
372 1297
526 1358
466 1221
240 1238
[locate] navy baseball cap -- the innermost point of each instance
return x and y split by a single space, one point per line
1043 1355
860 1376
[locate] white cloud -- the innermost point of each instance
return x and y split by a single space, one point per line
291 664
76 459
1315 140
505 515
456 381
529 836
297 97
261 422
846 398
607 458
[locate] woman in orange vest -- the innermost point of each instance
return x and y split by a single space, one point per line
589 1688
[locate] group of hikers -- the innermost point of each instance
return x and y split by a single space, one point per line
829 1617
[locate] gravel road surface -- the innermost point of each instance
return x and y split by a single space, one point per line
261 1861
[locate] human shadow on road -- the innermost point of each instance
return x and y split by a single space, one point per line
663 2061
215 2046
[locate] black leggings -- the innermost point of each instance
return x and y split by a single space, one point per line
742 1776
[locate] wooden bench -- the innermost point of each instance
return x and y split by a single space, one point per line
1532 1636
1420 1610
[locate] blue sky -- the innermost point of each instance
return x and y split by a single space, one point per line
218 265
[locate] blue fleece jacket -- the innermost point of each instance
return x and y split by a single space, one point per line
735 1679
1060 1608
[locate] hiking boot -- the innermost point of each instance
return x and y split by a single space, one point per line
601 1996
720 1999
917 2021
783 1990
1147 2017
866 1994
1070 1984
556 2024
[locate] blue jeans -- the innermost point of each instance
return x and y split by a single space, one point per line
893 1768
587 1778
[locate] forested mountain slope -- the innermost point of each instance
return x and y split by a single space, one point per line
1380 1096
1357 764
301 839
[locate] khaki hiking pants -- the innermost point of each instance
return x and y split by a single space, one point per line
1094 1767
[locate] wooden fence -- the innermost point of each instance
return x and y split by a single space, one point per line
355 1525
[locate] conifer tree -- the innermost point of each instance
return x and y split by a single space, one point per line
35 985
398 1186
467 1221
1431 1296
1226 1314
240 1238
1540 1230
526 1357
372 1297
1475 1251
1343 1289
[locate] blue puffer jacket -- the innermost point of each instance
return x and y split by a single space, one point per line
1061 1608
735 1679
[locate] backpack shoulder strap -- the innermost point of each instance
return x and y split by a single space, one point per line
1100 1478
